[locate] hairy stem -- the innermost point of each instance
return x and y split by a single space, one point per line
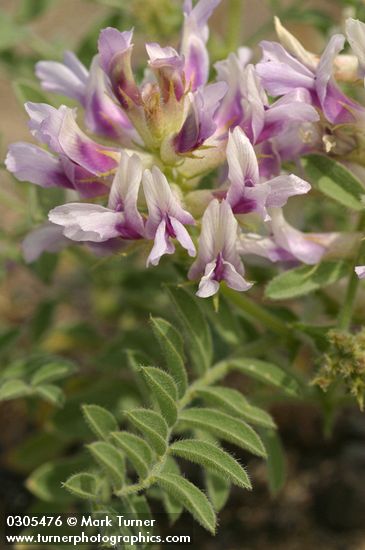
345 315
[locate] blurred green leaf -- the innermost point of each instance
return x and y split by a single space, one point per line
53 371
11 34
335 181
198 336
276 466
30 9
305 279
268 373
26 90
12 389
46 481
51 393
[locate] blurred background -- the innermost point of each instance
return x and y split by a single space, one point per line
89 311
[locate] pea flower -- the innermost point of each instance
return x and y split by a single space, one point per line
246 192
96 223
218 259
360 271
166 217
283 72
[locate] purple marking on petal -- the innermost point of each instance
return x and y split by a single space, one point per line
112 42
83 181
95 158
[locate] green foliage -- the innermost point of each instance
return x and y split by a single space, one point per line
195 326
233 402
190 497
276 466
164 389
45 481
137 451
100 421
173 349
82 486
213 458
152 425
268 373
33 377
225 427
110 459
305 279
335 181
144 464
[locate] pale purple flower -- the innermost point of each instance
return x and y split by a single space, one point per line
246 193
68 78
218 259
168 66
50 238
360 271
232 71
194 38
31 163
115 50
246 103
58 129
286 243
96 223
166 217
102 114
282 73
199 124
292 109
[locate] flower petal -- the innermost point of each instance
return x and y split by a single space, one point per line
97 159
233 279
87 222
102 114
300 245
124 192
281 72
161 201
46 238
283 187
193 43
68 78
208 286
183 236
162 245
29 162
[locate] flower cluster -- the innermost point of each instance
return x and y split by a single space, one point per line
140 177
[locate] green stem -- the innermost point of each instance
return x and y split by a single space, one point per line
346 312
255 311
234 24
